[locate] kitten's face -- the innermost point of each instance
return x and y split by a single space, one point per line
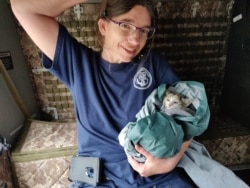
174 100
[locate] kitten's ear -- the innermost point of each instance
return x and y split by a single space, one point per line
169 91
166 93
186 101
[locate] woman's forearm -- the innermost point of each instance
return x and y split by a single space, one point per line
51 8
154 165
37 18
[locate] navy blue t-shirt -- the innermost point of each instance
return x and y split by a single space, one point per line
106 97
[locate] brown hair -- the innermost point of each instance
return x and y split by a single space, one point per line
113 8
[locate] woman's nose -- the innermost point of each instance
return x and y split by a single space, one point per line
135 37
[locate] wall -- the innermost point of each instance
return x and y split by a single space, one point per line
193 35
11 117
9 41
236 87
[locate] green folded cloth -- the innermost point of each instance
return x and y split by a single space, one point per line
160 134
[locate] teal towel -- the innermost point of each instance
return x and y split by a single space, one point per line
160 134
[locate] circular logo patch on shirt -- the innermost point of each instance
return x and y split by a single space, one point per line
142 79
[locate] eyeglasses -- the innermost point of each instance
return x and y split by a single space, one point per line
129 29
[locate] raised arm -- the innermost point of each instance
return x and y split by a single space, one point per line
37 18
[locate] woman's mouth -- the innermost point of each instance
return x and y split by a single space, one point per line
131 52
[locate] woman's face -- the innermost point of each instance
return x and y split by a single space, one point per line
119 47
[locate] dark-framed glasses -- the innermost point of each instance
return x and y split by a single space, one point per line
129 29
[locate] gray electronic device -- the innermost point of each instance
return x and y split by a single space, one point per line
85 169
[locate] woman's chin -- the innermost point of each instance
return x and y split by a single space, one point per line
127 59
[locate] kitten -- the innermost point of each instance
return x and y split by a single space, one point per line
174 101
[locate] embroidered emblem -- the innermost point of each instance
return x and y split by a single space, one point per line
142 79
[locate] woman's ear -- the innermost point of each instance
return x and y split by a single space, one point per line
102 24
